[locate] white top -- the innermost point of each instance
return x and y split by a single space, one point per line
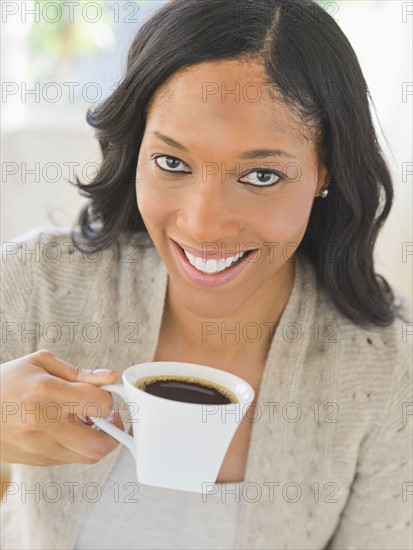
130 515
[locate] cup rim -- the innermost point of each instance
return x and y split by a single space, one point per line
235 379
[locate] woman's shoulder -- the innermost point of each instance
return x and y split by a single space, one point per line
59 249
357 345
39 243
51 283
49 262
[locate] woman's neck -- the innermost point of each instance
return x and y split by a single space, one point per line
247 332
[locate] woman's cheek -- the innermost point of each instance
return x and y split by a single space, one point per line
283 223
151 201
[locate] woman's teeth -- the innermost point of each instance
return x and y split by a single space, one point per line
213 266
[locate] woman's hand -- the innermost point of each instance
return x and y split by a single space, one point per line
42 397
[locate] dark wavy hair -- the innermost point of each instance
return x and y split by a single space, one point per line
313 68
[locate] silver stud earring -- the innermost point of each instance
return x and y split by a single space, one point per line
323 194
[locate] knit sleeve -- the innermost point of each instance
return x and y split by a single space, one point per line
16 286
379 511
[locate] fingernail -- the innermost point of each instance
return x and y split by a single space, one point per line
113 418
102 372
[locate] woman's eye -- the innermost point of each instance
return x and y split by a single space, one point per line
263 178
169 164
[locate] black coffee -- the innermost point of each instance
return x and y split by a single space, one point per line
187 389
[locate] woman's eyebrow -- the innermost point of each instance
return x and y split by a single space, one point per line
254 154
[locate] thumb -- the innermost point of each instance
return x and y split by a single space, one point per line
57 367
98 376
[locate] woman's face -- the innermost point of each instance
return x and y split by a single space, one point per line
199 184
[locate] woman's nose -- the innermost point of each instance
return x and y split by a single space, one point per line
208 213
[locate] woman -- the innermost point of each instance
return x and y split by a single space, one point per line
238 128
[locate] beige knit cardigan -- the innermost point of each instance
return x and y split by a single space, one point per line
329 467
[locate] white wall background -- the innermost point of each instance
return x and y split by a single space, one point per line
57 133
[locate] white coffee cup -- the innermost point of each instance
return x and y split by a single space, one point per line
178 445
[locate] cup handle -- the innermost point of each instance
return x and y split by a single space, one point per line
109 428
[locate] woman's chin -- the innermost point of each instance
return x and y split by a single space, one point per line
209 307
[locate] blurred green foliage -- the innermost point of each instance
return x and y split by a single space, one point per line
60 35
52 34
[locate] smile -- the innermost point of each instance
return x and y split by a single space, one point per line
212 265
212 272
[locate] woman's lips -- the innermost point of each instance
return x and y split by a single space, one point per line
209 279
212 255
